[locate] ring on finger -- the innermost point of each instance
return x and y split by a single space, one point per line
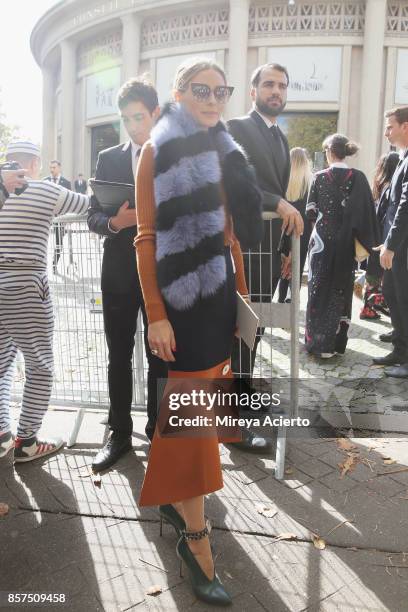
154 351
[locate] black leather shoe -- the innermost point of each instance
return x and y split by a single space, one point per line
253 443
389 337
115 447
391 359
397 372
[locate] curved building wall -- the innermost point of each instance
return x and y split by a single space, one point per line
348 62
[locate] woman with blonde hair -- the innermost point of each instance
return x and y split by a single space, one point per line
300 179
195 193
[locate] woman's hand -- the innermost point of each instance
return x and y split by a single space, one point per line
161 340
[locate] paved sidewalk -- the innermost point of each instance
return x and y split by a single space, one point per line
65 534
333 535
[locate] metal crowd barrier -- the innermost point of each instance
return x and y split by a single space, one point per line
273 315
80 352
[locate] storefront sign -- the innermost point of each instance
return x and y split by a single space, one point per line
401 83
101 90
166 69
314 72
101 10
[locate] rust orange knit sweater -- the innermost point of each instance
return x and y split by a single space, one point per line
145 241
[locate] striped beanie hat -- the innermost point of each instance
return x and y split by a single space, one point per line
22 146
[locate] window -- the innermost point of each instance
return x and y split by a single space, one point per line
103 137
308 130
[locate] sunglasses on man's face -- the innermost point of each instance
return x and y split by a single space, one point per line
202 92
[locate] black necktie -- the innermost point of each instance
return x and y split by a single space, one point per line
275 136
278 149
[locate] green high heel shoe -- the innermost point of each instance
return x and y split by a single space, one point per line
170 514
210 591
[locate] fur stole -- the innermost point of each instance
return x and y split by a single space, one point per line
190 163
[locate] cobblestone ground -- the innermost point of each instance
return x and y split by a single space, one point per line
330 536
357 384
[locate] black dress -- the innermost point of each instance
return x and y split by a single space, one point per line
205 333
341 206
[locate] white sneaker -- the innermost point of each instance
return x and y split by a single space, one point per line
6 443
327 355
29 449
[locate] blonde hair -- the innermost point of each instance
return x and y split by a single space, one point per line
192 66
300 174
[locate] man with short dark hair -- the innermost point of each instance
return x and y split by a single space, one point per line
80 184
121 292
394 250
268 151
56 177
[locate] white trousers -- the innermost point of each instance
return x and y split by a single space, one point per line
26 324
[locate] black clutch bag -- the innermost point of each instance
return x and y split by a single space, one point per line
111 195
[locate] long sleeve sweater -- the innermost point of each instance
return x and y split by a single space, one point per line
145 241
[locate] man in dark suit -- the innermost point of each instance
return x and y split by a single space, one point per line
80 184
121 292
394 251
268 151
56 177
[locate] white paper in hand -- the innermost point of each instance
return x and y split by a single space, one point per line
247 322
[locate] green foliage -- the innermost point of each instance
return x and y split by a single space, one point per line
7 133
309 130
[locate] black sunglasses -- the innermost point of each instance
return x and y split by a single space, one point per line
202 92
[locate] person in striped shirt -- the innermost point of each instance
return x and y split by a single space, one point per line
26 313
10 180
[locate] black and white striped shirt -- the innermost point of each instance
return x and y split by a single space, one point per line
25 222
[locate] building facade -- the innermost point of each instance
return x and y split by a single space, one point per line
348 62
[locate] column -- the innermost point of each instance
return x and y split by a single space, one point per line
131 33
342 125
68 86
371 83
391 74
48 118
237 57
389 99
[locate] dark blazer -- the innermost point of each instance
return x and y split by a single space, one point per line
252 133
396 218
62 181
119 272
80 187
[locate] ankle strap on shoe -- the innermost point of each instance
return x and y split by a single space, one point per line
195 535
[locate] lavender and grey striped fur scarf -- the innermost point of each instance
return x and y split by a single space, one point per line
189 164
